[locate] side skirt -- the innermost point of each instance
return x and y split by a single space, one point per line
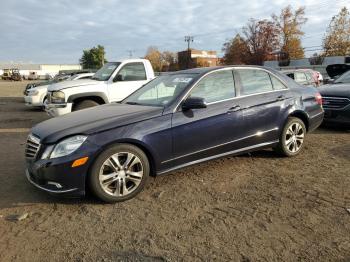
234 152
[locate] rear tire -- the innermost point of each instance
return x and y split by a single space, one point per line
84 104
292 137
119 173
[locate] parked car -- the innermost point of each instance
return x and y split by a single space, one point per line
112 83
336 100
176 120
37 95
306 77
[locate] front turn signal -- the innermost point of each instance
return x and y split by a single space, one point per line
80 161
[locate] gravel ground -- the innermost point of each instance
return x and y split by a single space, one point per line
254 207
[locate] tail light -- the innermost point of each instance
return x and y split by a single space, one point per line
318 99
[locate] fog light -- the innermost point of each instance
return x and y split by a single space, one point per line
80 161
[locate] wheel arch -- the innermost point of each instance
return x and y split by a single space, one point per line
98 97
302 116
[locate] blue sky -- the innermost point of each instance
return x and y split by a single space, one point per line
57 31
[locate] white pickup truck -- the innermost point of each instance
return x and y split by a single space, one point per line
112 83
36 95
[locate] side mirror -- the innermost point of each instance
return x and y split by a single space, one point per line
193 103
118 78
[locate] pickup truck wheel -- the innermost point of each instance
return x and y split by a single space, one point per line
292 137
119 173
84 104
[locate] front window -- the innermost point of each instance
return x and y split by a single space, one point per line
344 78
215 87
161 91
105 72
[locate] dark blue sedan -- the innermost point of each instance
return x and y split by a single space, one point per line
176 120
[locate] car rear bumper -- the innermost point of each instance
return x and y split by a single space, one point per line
58 109
315 121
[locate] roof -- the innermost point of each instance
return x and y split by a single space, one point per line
204 70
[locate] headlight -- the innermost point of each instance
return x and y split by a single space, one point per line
57 97
67 146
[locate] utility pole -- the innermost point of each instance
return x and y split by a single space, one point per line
188 39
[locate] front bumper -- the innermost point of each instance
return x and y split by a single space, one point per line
58 109
33 101
337 116
55 188
57 176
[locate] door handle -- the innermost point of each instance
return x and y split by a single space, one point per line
281 98
234 109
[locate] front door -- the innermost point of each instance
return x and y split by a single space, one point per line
128 79
201 133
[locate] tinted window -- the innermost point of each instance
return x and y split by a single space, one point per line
254 81
133 72
215 87
277 84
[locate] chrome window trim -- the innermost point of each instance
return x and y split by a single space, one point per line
259 133
232 68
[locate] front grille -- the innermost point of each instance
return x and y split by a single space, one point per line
32 146
335 102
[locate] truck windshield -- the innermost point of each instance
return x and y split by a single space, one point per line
160 91
105 72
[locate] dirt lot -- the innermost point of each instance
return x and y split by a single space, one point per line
256 207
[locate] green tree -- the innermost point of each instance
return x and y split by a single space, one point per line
289 25
337 39
93 58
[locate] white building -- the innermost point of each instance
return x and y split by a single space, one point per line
43 70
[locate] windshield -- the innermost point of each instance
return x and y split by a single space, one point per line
344 78
105 72
161 91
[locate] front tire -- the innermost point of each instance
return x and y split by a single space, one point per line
119 173
84 104
292 137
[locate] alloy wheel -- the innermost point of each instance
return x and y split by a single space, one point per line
121 174
294 137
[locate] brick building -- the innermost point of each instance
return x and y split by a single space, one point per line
197 58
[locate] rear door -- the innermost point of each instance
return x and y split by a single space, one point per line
128 79
201 133
262 97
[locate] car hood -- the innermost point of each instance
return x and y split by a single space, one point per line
72 83
342 90
93 120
